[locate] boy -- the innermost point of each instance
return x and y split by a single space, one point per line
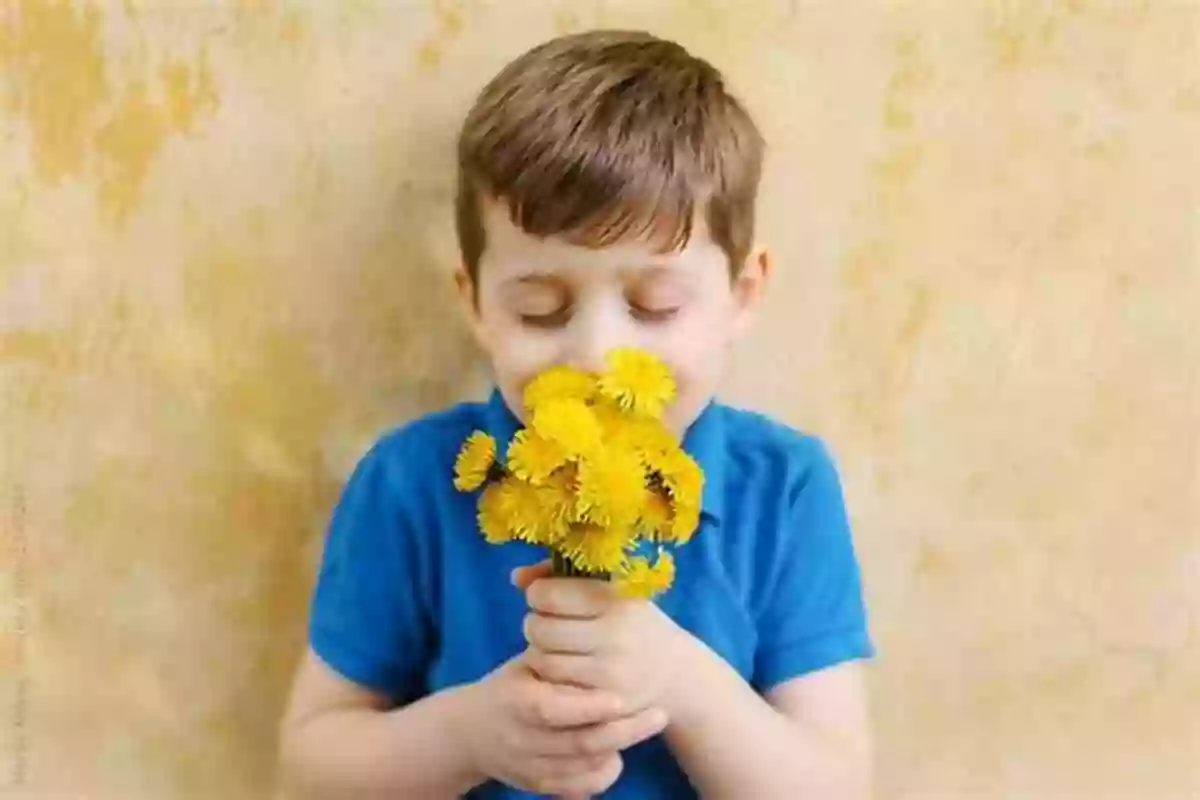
607 183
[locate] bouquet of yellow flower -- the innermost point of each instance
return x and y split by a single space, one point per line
593 476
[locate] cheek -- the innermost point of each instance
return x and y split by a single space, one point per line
698 354
517 354
699 340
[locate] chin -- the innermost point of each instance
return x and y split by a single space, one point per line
513 399
680 418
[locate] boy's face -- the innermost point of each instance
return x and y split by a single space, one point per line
542 302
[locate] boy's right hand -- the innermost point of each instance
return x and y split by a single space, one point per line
547 738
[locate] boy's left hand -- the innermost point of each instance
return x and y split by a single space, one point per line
582 632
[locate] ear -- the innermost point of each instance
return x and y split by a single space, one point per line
468 301
749 285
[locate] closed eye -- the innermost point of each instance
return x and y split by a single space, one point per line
653 314
553 319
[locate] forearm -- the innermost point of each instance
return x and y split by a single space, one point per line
411 752
733 744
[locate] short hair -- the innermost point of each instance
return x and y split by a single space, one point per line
606 136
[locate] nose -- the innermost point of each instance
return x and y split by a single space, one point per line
593 334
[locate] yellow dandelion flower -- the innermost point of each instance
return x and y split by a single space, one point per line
646 435
614 422
494 521
638 381
559 496
612 487
474 461
654 443
682 477
595 548
532 515
560 491
569 424
658 459
684 521
653 437
559 383
684 482
656 518
593 473
534 458
640 579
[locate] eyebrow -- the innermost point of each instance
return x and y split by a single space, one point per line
642 272
654 271
536 279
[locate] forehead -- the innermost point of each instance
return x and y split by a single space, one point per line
510 250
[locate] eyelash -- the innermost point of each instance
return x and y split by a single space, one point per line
561 316
653 315
551 320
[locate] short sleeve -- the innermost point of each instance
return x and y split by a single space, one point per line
812 615
366 618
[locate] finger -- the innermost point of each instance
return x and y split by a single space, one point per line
545 705
563 766
587 783
522 577
566 668
595 740
570 597
612 737
562 634
539 774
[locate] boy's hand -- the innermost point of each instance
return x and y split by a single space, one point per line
545 738
582 633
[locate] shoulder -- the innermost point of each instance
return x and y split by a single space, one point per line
434 436
421 451
763 450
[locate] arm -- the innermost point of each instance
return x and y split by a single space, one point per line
340 740
800 727
369 642
370 639
808 739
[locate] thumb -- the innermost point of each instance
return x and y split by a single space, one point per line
522 577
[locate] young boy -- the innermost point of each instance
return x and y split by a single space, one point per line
606 196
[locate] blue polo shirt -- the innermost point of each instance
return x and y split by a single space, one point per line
410 599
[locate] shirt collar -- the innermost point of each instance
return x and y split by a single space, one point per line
500 422
704 442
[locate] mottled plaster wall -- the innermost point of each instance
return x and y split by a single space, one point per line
224 248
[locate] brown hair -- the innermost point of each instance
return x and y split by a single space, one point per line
607 136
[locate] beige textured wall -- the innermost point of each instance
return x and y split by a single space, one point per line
224 241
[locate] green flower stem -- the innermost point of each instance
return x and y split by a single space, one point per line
563 567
